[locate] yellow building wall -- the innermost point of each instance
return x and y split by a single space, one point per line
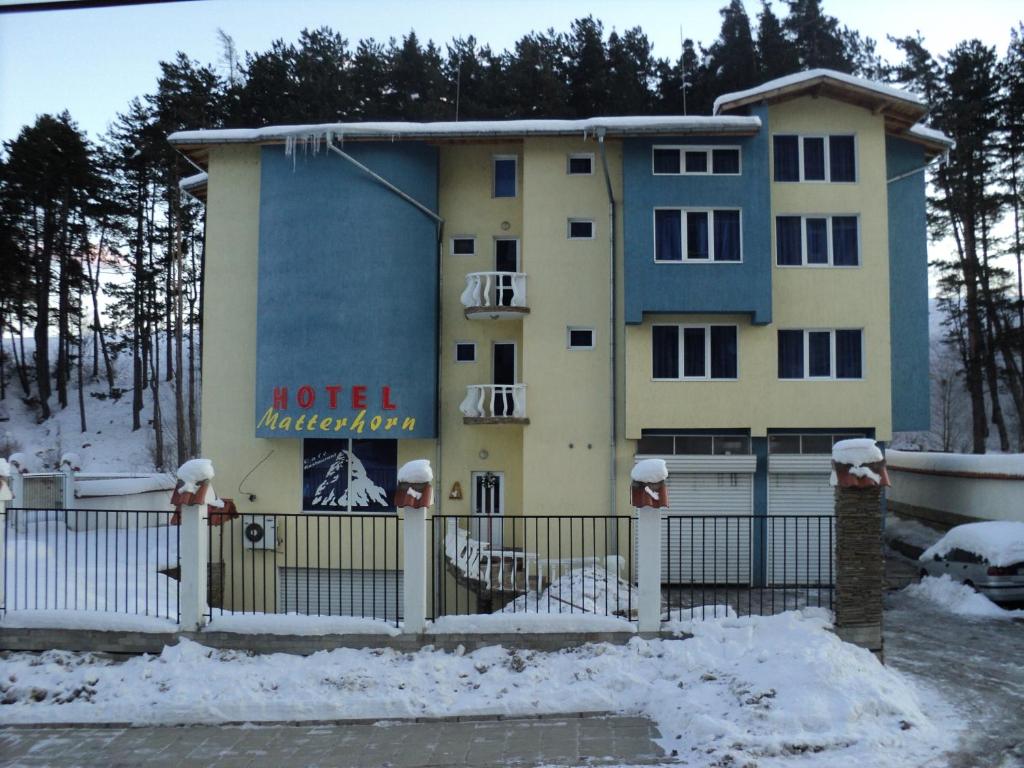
802 298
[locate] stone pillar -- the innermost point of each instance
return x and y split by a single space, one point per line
860 564
193 556
414 496
648 493
5 496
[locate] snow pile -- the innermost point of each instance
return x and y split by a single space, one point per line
87 487
587 590
521 622
5 468
70 461
297 624
856 452
910 531
649 471
416 471
1011 464
1001 543
956 597
20 462
193 472
741 691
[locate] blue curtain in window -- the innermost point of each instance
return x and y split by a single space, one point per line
693 352
791 354
665 351
819 353
841 158
725 161
668 244
787 241
505 178
727 235
787 158
814 158
844 241
849 355
817 241
697 235
723 352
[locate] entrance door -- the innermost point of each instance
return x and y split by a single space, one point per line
506 259
503 373
488 503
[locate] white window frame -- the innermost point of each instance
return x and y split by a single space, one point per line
579 156
707 149
463 343
828 236
494 176
707 350
571 221
832 355
828 157
684 235
568 337
451 245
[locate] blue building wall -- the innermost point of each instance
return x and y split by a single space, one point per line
707 288
347 294
908 286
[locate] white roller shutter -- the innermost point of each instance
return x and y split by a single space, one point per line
798 550
344 592
706 550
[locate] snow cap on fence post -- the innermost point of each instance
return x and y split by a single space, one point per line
19 461
414 495
6 492
190 494
858 463
648 488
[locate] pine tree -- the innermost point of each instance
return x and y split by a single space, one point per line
817 37
776 55
734 64
586 64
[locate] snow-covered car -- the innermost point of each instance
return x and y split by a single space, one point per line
986 556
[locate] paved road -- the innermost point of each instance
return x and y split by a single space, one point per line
480 744
978 664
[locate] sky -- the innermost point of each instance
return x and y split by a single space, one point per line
92 62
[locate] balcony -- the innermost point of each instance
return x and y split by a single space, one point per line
494 404
495 295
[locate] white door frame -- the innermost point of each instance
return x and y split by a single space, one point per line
489 533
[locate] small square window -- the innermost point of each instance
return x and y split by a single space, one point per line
581 165
463 246
465 352
581 229
817 444
504 177
725 161
666 161
694 445
784 444
697 161
651 445
581 338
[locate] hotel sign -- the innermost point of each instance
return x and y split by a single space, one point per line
333 410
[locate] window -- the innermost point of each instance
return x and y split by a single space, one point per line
709 235
581 229
821 354
807 443
694 445
465 352
698 161
815 158
349 475
694 351
505 176
824 241
580 165
463 246
580 338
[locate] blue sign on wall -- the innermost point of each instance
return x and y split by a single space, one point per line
347 303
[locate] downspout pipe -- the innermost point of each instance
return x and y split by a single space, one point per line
612 291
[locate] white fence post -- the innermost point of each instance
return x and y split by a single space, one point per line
68 470
4 492
415 568
649 569
193 558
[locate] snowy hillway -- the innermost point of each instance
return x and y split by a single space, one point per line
108 444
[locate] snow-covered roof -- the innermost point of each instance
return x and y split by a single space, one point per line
614 126
930 134
193 181
799 81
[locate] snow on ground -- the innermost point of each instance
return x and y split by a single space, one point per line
108 445
1001 542
956 597
49 567
589 590
910 531
741 690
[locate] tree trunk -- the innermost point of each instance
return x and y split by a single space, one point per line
43 281
81 364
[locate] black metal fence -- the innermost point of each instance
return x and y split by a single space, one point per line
306 563
573 564
714 565
119 561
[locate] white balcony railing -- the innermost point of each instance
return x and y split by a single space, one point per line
495 290
494 401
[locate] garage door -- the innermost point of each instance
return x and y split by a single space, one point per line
702 540
800 532
341 592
